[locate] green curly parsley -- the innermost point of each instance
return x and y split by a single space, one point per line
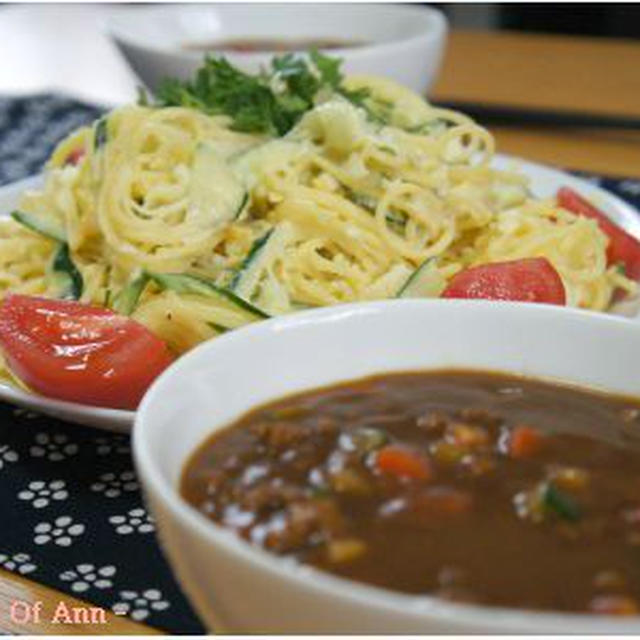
270 102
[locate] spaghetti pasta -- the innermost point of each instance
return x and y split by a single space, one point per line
343 207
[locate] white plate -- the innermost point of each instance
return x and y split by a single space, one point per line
544 181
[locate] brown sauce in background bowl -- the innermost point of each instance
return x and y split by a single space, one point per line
267 45
469 486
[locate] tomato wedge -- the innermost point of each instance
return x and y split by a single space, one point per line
75 156
527 280
72 351
623 248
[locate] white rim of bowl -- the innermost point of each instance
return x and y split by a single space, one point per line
507 619
435 25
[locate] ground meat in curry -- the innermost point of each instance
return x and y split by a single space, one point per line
469 486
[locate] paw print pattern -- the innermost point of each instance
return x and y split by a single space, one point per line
25 414
632 187
61 531
135 521
18 563
112 485
84 576
138 605
40 493
113 444
7 455
54 447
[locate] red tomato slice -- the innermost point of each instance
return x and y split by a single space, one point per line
75 156
623 247
76 352
527 280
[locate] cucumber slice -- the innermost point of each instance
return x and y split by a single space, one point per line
243 279
425 282
261 256
66 274
127 300
43 227
182 283
101 133
254 280
215 190
389 283
63 271
218 328
242 206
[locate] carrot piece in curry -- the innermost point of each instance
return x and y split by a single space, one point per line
404 462
525 442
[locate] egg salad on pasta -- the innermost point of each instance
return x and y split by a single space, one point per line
194 221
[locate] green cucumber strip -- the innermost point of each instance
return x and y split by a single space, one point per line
101 133
67 273
43 227
218 327
242 205
427 127
183 283
362 200
215 189
256 249
395 220
127 300
368 203
424 282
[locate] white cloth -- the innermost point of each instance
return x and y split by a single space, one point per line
62 48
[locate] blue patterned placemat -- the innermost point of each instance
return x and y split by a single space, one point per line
73 516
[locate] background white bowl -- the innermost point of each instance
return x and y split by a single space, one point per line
236 587
404 43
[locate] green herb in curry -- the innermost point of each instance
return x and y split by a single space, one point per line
560 503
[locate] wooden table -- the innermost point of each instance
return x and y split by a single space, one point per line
74 617
597 75
525 70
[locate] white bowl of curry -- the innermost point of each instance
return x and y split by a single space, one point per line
403 467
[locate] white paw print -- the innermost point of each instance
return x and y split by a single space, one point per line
136 520
7 455
630 186
139 605
18 562
114 444
40 493
61 531
54 447
112 485
20 412
84 576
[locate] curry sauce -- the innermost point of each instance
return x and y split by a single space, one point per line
470 486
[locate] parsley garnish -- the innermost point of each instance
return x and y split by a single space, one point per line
270 102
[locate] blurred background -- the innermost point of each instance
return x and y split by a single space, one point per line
620 20
35 52
555 60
